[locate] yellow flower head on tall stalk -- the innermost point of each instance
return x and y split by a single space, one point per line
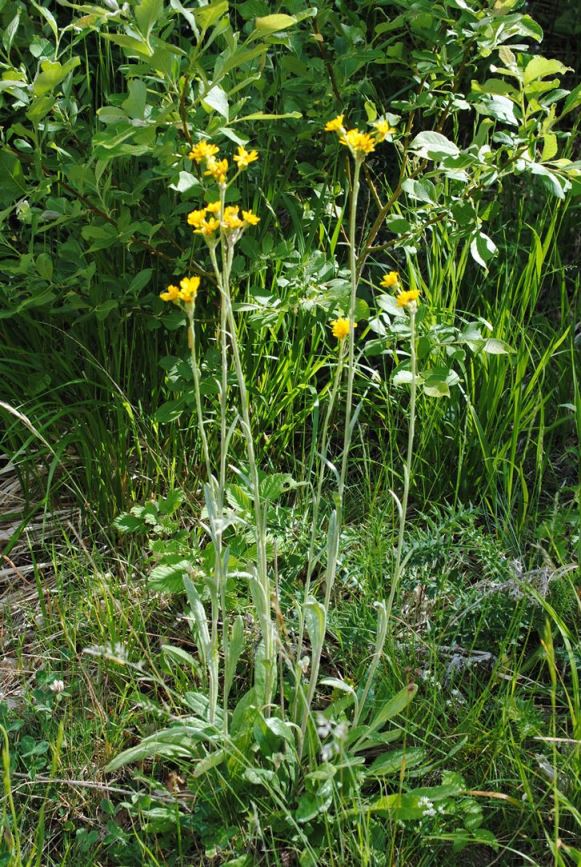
359 143
189 289
243 158
203 150
230 218
217 169
250 219
382 130
391 279
172 293
196 218
404 299
341 327
207 228
335 125
213 207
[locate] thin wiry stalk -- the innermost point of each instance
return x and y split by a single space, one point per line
407 470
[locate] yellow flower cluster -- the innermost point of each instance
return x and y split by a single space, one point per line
391 279
382 130
204 152
186 292
404 299
341 327
230 220
243 158
359 143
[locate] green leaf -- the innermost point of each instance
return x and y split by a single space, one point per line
178 654
482 249
436 386
147 12
259 115
168 577
273 486
392 708
186 181
403 377
550 147
134 105
541 67
434 146
140 281
497 106
127 523
170 410
235 648
44 266
393 762
315 623
423 191
572 101
493 346
51 75
552 182
208 15
199 615
216 99
272 24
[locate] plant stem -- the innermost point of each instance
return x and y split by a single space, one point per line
407 470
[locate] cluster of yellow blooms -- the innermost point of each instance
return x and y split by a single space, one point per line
186 292
213 217
403 298
204 152
230 220
360 143
341 327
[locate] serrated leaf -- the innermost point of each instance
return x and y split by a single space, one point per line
168 577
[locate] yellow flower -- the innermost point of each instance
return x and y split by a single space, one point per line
391 279
213 207
172 293
243 158
230 218
382 130
335 125
250 219
406 298
341 327
189 289
203 150
217 169
360 143
207 227
196 218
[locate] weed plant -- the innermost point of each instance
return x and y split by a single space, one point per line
323 602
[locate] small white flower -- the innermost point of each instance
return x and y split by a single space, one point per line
57 686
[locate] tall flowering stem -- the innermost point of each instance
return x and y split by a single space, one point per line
406 300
